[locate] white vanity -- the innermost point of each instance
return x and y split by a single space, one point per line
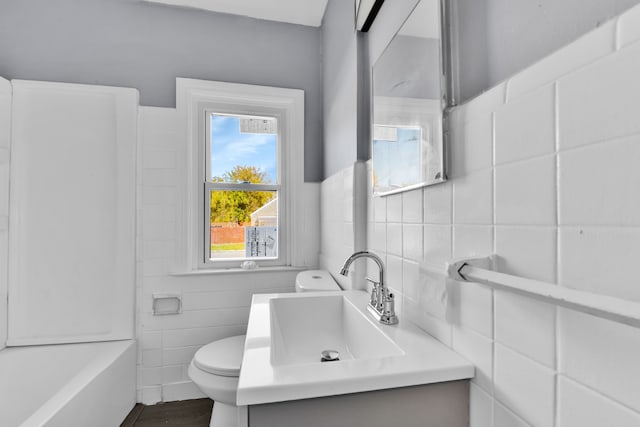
385 375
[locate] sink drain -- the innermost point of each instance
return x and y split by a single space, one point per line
329 356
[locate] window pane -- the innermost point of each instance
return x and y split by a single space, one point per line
243 224
243 148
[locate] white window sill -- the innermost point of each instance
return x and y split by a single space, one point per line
237 270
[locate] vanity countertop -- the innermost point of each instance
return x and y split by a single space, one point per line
421 359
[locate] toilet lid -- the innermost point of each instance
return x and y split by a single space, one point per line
222 357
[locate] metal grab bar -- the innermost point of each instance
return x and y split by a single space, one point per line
611 308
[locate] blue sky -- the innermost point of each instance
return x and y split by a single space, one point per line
231 148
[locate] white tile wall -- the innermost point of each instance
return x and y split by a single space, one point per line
589 197
525 127
337 194
600 354
525 386
582 407
544 174
506 418
607 109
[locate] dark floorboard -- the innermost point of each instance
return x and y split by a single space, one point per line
186 413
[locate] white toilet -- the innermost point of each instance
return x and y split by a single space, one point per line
216 366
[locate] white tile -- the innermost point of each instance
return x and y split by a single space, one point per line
472 306
152 358
394 238
526 192
588 197
159 159
378 240
159 177
412 206
472 240
505 418
483 103
159 196
471 146
215 299
480 407
173 374
151 340
155 267
524 386
579 406
379 209
437 328
586 49
159 213
178 356
199 336
601 354
527 326
181 391
526 127
607 109
473 198
411 281
479 351
151 395
158 250
438 242
438 204
394 273
394 208
412 241
629 26
151 376
600 260
527 251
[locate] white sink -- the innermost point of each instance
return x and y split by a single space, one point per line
288 332
301 328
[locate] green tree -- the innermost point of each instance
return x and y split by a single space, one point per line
237 206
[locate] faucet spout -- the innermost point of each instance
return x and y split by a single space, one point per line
382 301
364 254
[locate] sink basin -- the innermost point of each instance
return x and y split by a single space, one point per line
287 334
301 328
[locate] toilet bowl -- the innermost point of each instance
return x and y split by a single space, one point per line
216 366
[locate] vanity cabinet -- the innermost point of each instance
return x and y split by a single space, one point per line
432 405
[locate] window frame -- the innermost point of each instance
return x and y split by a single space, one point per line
208 186
196 99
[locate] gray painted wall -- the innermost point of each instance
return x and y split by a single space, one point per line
498 38
340 77
146 46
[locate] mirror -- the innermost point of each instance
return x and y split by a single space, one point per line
408 103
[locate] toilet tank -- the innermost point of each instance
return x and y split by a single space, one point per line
315 281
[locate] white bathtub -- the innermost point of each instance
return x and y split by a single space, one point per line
68 385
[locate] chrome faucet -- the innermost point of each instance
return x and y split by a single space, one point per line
381 304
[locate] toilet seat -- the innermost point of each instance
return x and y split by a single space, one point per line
222 357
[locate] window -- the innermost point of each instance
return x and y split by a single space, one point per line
242 188
244 196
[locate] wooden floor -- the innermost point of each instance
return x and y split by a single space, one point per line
187 413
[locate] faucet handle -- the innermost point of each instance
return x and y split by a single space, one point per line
373 282
375 290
